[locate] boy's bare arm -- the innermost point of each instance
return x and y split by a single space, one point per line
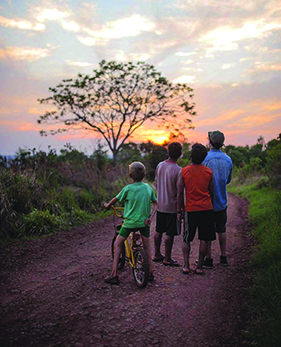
111 202
211 190
180 195
154 208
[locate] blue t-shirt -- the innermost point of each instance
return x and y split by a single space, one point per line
221 165
137 197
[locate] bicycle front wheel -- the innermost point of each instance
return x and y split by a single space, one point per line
122 258
141 269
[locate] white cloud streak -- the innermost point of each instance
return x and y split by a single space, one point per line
21 24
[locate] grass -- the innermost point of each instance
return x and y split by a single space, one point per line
265 214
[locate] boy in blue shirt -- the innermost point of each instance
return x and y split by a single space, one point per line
221 165
138 197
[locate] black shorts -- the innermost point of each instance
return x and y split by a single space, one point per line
166 223
220 221
204 221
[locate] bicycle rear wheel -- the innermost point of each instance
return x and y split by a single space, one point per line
141 269
122 259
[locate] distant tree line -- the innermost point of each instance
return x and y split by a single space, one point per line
43 192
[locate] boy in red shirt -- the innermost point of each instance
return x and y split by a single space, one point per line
197 184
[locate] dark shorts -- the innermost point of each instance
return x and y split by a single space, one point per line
204 221
166 223
220 221
125 232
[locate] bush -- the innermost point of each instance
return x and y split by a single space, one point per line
39 223
88 201
78 217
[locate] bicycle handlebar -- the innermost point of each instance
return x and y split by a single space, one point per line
115 211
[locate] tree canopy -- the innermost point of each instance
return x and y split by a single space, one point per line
117 100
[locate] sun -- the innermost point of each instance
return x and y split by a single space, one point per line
159 139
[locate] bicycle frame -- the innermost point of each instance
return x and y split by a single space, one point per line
132 252
128 246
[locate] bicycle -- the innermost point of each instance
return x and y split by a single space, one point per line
132 252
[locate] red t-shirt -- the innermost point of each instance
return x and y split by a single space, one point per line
197 179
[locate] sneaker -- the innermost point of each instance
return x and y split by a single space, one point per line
208 263
112 280
223 261
150 277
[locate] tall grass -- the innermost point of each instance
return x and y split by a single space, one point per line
265 213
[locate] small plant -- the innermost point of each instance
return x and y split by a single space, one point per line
39 223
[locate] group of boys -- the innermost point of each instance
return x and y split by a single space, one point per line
196 193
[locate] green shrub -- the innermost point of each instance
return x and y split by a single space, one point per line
66 198
22 190
78 217
88 201
39 223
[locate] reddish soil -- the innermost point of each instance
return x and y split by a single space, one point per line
52 293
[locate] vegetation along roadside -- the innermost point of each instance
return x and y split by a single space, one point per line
262 189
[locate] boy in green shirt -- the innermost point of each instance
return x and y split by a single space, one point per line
138 197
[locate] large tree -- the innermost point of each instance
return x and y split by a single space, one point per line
117 100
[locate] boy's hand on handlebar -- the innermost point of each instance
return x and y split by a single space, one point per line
106 206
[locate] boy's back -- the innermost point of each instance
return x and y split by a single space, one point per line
197 179
137 197
167 177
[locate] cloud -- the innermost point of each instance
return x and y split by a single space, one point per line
116 30
226 35
34 110
71 26
184 79
21 24
216 5
78 63
267 67
228 66
122 56
183 54
269 105
87 40
51 14
16 125
24 53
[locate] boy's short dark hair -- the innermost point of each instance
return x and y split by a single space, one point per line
216 138
174 150
137 171
198 153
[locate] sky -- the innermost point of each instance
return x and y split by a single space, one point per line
229 52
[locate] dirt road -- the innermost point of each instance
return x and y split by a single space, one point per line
52 293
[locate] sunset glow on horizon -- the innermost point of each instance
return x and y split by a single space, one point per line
228 52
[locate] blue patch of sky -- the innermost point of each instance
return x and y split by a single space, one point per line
13 8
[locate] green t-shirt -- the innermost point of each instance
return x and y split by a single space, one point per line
137 197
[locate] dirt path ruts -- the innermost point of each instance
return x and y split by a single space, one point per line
52 293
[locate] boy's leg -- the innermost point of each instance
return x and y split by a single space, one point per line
169 241
157 245
203 247
209 250
146 246
117 251
185 252
222 241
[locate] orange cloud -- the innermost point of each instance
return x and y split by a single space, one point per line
269 105
24 53
266 67
16 125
